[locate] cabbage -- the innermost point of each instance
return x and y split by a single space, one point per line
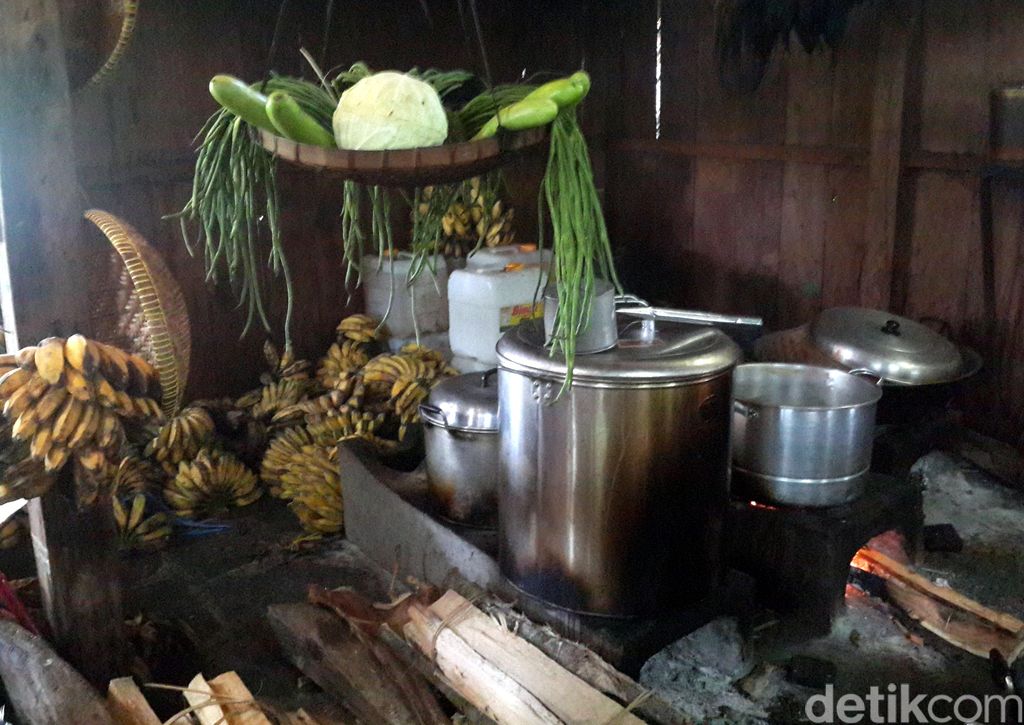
389 110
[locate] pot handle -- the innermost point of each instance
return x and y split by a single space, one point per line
743 409
870 375
485 376
433 415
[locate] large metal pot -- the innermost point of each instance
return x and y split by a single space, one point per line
460 428
612 494
802 435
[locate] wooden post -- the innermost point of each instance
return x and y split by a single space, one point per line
41 293
884 165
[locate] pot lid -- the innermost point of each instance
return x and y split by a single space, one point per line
896 348
670 353
468 402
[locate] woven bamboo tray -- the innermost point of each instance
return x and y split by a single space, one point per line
407 167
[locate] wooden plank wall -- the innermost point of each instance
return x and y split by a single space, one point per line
772 203
133 139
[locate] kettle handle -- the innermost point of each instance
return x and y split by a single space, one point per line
747 411
433 415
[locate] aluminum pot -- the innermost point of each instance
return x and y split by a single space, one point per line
601 333
802 434
612 495
460 428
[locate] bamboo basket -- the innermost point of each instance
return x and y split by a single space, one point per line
146 313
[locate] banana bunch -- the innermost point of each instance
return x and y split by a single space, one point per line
342 361
211 484
13 530
283 366
432 358
311 483
360 328
135 530
26 479
349 397
265 401
70 396
406 395
476 218
181 438
133 475
283 449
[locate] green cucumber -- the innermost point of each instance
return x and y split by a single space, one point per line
527 113
582 79
293 123
565 92
243 101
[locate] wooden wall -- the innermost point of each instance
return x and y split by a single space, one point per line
848 178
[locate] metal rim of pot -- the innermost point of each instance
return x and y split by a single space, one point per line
745 408
434 415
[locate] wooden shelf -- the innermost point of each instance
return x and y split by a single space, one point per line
823 155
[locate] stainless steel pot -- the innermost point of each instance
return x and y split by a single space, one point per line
600 334
460 424
612 495
802 435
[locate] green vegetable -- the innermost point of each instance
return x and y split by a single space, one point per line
527 113
294 123
582 79
389 110
581 247
241 100
565 92
482 108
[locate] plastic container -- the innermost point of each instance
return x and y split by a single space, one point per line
491 257
429 291
485 302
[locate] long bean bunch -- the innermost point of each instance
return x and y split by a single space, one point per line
234 194
582 251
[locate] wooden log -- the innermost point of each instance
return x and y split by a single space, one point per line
128 705
43 688
492 691
238 703
200 697
568 697
77 562
943 611
332 654
575 657
41 253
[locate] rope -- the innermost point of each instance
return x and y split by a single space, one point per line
453 618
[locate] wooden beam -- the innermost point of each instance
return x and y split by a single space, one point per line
41 257
897 33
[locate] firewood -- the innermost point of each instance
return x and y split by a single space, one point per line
240 707
573 656
43 688
200 696
945 612
494 692
567 696
345 665
128 705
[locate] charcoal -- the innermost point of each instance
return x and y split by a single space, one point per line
810 672
942 537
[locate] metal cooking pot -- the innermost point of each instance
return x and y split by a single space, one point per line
921 369
802 435
600 334
460 424
612 495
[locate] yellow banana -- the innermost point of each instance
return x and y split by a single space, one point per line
49 359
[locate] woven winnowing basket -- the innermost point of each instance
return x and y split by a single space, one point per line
146 314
